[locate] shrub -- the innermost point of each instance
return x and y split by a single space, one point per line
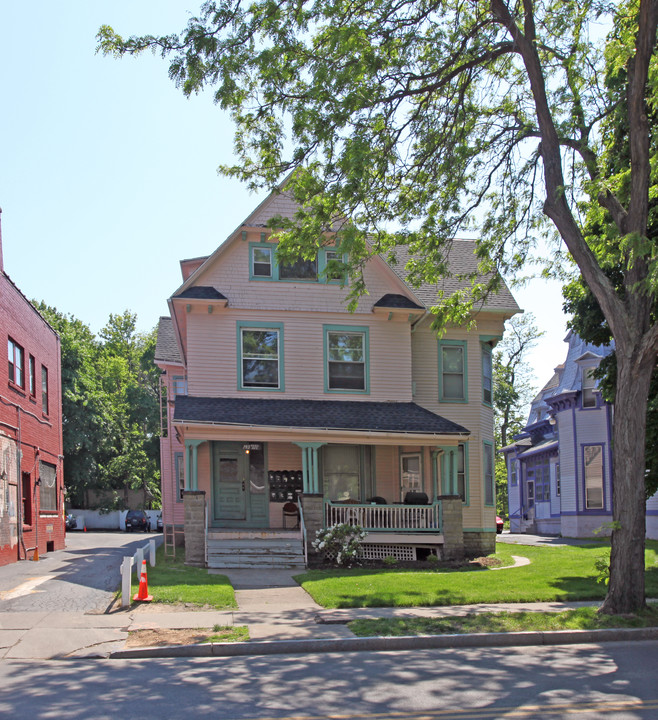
390 560
340 543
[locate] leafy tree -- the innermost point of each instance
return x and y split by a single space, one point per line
513 392
417 114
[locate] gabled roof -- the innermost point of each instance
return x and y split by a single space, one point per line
166 347
389 417
461 261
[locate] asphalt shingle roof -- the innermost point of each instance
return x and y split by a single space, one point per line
166 347
318 414
202 292
393 300
461 261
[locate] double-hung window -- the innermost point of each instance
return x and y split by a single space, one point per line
16 356
44 390
589 388
260 351
452 371
593 461
489 493
346 357
487 375
261 261
179 385
32 375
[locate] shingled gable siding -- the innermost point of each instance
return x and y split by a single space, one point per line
212 357
230 274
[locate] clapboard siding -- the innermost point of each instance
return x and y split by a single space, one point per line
212 355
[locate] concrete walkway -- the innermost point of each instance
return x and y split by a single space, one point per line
280 615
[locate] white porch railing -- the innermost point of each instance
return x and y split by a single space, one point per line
386 518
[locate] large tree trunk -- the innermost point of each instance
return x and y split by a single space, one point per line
626 586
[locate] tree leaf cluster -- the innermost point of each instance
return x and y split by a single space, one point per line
110 410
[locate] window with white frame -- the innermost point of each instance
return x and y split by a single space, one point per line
487 375
411 478
47 487
179 385
593 462
16 356
346 357
558 480
260 357
514 477
261 261
589 388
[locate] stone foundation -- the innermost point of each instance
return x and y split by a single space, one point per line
477 544
195 527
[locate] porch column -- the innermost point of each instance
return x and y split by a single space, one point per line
453 471
435 473
310 468
191 464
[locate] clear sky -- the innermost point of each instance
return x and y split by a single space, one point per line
108 173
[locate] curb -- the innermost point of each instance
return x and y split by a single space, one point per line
382 644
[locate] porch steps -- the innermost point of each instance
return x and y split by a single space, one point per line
254 549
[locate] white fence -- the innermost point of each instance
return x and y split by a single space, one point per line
126 569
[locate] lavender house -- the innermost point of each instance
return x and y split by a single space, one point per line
559 469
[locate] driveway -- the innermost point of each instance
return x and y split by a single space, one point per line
545 540
82 578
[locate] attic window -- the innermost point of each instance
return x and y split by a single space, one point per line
299 270
261 261
589 388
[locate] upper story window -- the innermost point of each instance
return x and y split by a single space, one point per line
299 270
558 480
32 375
593 461
326 267
452 371
261 261
179 385
487 375
346 353
260 356
16 356
44 390
589 388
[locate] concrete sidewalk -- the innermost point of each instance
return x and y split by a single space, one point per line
281 616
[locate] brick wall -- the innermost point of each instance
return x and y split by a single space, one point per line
24 421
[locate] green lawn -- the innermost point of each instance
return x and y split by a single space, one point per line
580 619
555 573
171 581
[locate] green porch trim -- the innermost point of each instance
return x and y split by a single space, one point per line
310 466
192 464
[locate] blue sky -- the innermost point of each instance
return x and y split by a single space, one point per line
108 173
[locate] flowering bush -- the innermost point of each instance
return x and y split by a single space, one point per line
340 543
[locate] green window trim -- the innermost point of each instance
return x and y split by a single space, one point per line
251 325
487 374
488 482
274 274
179 470
446 482
449 344
355 329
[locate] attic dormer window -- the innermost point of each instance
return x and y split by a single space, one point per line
261 261
589 388
299 270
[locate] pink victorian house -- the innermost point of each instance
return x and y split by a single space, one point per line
286 413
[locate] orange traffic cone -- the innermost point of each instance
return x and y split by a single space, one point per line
35 556
143 593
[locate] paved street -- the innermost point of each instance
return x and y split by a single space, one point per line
614 680
81 578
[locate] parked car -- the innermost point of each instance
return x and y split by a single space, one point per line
158 523
137 520
499 524
71 522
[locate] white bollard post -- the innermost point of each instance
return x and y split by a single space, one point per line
139 556
126 576
152 552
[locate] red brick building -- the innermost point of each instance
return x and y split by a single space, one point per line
31 470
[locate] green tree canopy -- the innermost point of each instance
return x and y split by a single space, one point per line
411 118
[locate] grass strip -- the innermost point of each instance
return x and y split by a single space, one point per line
554 574
490 622
171 581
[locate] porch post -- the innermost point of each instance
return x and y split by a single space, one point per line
452 465
310 468
192 464
435 474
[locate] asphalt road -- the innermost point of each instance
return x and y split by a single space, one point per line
608 681
81 578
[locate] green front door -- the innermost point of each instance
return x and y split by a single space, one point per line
240 493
